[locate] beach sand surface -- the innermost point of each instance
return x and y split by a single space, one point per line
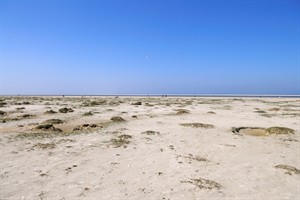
166 148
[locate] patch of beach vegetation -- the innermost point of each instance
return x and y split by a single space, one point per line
117 119
198 125
204 183
50 112
53 121
44 145
151 133
182 111
66 110
121 141
88 113
289 169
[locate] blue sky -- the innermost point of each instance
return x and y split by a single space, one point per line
150 47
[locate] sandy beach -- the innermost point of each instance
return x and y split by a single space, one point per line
149 148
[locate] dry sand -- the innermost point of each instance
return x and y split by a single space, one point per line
157 153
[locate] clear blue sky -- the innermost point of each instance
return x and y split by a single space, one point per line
150 47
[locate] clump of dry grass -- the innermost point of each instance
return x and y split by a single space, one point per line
291 114
44 145
137 103
273 109
65 140
47 127
151 133
149 105
289 169
260 111
190 157
65 110
97 103
117 119
211 101
276 130
94 103
121 140
88 113
189 102
38 135
2 103
4 120
264 113
211 112
267 115
53 121
45 131
198 125
204 183
86 127
50 112
26 116
182 111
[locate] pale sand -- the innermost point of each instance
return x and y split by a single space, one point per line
160 165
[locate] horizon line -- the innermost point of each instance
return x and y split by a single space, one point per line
170 95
